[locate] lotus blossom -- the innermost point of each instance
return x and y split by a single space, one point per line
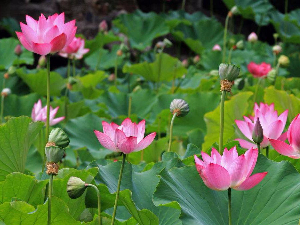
46 35
217 48
252 37
259 70
291 150
229 170
75 49
271 123
39 113
127 138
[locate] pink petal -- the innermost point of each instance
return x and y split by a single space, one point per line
283 137
28 33
32 23
56 120
274 129
119 137
60 20
51 34
245 127
283 116
105 141
251 181
294 131
216 157
69 29
140 130
199 164
206 158
42 26
127 145
229 157
215 177
250 161
237 171
246 144
58 43
24 41
108 130
41 48
144 143
285 149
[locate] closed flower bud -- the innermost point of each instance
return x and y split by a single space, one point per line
75 187
217 48
196 59
59 137
167 42
277 49
11 70
42 61
252 37
54 153
160 44
119 52
18 50
257 134
180 107
112 77
275 35
284 61
103 26
6 76
5 92
234 10
228 71
185 63
240 44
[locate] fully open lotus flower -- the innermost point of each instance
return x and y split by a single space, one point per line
75 49
127 138
293 149
39 113
46 35
259 70
229 170
217 48
271 123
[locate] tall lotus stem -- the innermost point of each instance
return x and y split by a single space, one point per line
66 92
129 106
159 67
256 89
99 200
171 131
224 38
48 97
118 189
258 148
222 121
116 70
229 206
74 68
183 5
267 151
49 198
2 107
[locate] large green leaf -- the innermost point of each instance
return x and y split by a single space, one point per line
235 109
16 136
276 200
141 28
164 68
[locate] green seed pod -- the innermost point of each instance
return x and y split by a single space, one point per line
257 134
240 45
54 153
284 61
180 107
75 187
228 71
271 75
59 137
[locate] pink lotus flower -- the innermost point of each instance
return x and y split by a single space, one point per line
39 113
46 35
252 37
272 125
229 170
259 70
127 138
75 49
293 149
217 48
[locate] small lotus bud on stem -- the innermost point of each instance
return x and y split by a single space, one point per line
103 26
240 45
5 92
276 49
75 187
185 63
119 52
18 50
6 75
252 37
111 77
180 107
234 10
196 59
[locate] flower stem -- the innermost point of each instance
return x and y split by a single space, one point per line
118 189
183 5
276 73
224 38
99 201
222 121
258 147
49 198
267 151
2 108
129 106
171 131
116 70
229 206
66 91
48 97
256 90
74 68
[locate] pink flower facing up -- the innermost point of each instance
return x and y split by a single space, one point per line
271 123
293 149
259 70
217 48
46 35
229 170
40 114
75 49
127 138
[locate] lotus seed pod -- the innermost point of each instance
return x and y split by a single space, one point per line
277 49
59 137
228 71
257 134
271 75
75 187
180 107
284 61
240 44
54 153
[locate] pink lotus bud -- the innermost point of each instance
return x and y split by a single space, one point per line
257 134
185 63
252 37
196 59
112 77
18 50
103 26
217 48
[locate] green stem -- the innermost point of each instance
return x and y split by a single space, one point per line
258 148
74 68
129 106
49 198
171 131
229 206
159 67
99 201
277 69
229 56
118 189
66 91
183 5
48 97
2 108
222 121
267 151
256 90
224 38
116 70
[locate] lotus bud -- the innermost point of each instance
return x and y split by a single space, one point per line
75 187
196 59
167 42
112 77
214 73
217 48
234 10
252 37
160 44
228 71
5 92
103 26
119 52
11 70
185 63
18 50
277 49
276 35
240 45
271 75
180 107
42 61
284 61
59 138
257 135
6 75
